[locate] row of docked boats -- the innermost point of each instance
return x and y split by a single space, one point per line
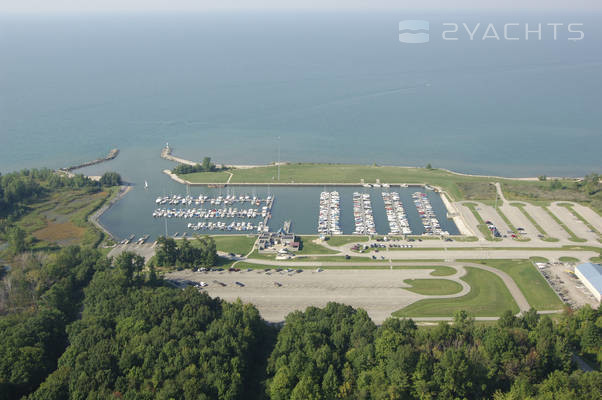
223 226
188 200
396 214
330 214
427 214
211 213
130 239
362 214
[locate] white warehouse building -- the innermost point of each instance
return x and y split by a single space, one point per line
591 276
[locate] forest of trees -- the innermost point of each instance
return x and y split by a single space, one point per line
77 325
205 166
110 179
201 252
39 297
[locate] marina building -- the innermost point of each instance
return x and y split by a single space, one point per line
591 276
277 242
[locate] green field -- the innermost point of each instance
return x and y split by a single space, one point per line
533 285
307 246
433 287
458 186
341 240
61 218
488 297
237 244
207 177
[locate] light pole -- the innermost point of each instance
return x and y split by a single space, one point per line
278 163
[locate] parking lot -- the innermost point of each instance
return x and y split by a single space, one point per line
566 284
276 294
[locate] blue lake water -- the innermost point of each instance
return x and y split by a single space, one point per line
335 87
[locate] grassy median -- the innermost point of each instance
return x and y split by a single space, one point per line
433 287
488 297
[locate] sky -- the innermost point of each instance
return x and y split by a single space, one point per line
77 6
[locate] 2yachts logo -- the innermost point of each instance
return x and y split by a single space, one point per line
414 31
418 31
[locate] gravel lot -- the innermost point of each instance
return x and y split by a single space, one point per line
567 285
379 292
488 213
590 215
548 224
574 224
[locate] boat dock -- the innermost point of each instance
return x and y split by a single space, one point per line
112 154
204 207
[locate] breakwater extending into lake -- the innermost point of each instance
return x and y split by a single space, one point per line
112 154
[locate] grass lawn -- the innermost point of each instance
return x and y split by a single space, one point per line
237 244
568 259
341 240
458 186
465 239
307 246
488 297
433 287
536 289
207 177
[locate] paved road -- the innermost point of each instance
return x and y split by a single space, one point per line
427 250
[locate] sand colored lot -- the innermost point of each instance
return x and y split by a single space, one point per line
379 292
574 224
547 223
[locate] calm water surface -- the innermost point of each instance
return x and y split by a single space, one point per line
335 87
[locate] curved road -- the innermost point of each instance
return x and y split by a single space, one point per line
518 296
